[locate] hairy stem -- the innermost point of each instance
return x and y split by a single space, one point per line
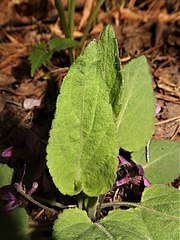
29 198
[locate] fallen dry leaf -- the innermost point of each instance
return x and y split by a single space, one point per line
86 13
30 103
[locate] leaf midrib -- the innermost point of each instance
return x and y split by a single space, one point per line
157 159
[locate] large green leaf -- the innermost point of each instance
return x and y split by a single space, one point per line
135 122
82 146
6 174
163 165
14 225
157 217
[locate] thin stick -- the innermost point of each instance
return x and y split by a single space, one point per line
168 120
54 204
29 198
147 151
175 133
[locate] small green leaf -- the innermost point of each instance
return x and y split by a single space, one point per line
6 174
163 165
157 217
14 225
135 122
39 57
62 43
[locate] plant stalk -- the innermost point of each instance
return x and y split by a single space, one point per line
71 10
120 204
60 8
29 198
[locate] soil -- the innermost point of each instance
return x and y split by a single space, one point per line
149 28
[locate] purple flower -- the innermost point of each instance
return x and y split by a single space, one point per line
9 194
130 168
27 149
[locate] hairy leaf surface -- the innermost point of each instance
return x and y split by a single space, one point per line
110 69
135 122
82 147
163 165
155 218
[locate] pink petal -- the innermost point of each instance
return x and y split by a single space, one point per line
123 161
123 181
33 189
7 152
30 103
11 205
146 182
6 194
140 170
158 109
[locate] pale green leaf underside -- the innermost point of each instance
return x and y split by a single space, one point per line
14 225
156 218
82 146
6 174
164 160
135 122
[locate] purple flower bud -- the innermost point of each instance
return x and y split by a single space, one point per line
7 152
33 189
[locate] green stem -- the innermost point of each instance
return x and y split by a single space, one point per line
90 21
71 10
60 8
80 199
53 203
92 207
119 204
